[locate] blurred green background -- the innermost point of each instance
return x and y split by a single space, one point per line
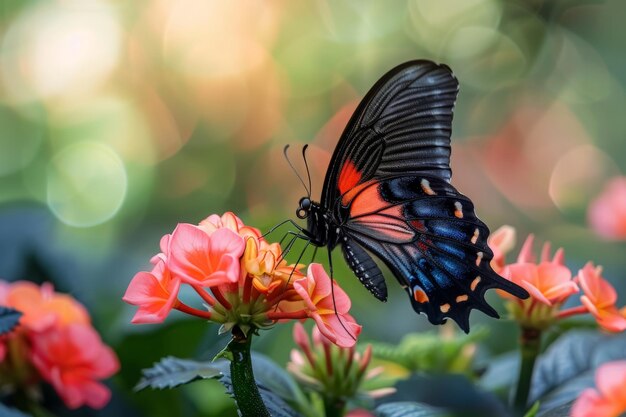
120 119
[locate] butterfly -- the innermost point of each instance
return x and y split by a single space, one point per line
387 192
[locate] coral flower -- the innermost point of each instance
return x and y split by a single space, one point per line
549 284
243 280
200 259
42 307
54 342
501 242
600 298
330 315
154 292
607 213
609 400
72 359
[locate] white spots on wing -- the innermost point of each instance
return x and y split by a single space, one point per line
474 238
425 184
458 209
479 258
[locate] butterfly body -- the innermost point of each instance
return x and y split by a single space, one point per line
387 192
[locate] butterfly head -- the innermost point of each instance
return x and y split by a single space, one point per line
304 208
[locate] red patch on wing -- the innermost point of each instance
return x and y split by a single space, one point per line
370 210
349 177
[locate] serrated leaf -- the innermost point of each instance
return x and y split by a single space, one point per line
171 372
408 409
429 352
11 412
568 367
9 318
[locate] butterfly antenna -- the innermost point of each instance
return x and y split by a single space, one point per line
306 164
294 170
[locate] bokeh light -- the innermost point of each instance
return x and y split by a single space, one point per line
86 184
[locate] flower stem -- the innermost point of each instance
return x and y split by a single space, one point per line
245 390
530 343
334 407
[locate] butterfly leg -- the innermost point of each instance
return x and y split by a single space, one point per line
332 293
291 221
295 236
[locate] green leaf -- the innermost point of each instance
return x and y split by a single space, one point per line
429 352
408 409
275 385
568 367
9 318
452 392
171 372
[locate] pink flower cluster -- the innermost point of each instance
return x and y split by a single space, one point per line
54 342
243 280
339 373
550 283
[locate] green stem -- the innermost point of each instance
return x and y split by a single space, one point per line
530 343
245 390
334 407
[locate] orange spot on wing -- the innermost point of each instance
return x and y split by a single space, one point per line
458 210
420 296
461 298
444 308
349 177
474 238
475 283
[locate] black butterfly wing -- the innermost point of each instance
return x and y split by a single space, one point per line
403 125
388 186
428 235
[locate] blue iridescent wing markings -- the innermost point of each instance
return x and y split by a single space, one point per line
445 266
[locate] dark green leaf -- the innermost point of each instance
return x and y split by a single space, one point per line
171 372
568 367
454 393
408 409
9 318
11 412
